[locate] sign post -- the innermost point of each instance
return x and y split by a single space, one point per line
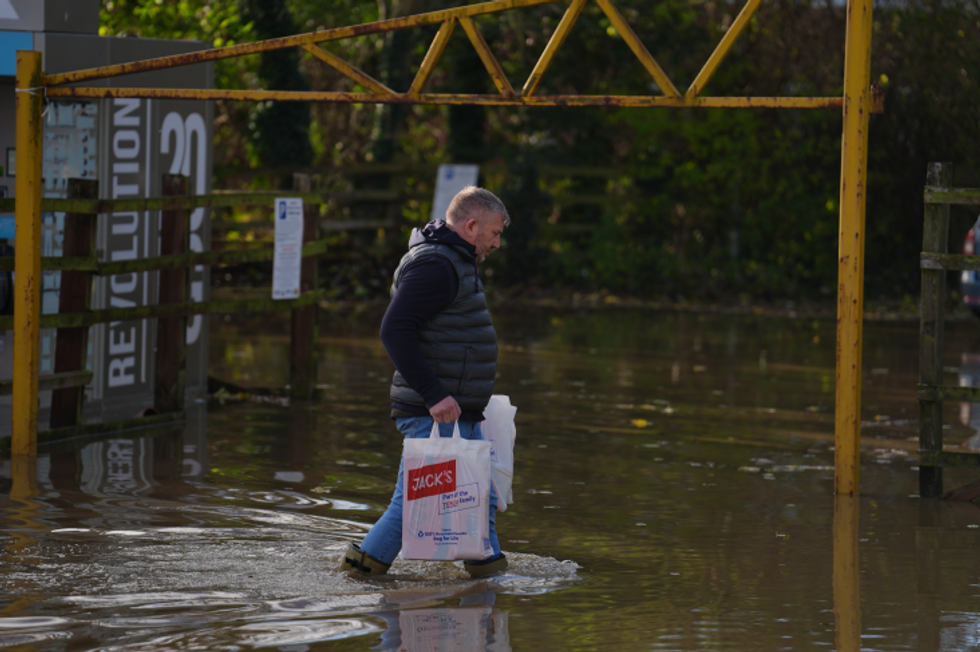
450 180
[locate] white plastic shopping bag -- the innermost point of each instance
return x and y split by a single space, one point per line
446 498
499 429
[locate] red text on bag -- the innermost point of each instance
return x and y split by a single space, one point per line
431 480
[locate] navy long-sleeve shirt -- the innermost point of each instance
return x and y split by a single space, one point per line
425 288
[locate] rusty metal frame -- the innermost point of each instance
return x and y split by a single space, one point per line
58 85
858 100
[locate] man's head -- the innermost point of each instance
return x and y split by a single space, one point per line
479 217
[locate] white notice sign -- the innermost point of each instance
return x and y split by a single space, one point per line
451 179
289 247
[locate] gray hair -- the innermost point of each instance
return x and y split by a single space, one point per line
471 201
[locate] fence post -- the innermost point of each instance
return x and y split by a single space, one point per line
935 239
172 331
303 331
71 344
27 255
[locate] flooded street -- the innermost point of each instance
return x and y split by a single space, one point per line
673 491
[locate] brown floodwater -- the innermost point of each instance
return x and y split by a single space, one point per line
673 491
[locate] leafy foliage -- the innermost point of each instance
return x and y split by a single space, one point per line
706 203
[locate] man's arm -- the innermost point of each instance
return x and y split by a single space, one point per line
425 289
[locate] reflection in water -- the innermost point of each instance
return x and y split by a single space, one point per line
472 626
683 462
928 589
22 525
847 593
135 544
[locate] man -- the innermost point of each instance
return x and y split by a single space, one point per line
439 334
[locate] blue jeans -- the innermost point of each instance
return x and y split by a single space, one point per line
384 541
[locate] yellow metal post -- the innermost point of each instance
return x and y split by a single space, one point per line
27 254
850 271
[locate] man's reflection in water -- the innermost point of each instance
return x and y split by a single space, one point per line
471 627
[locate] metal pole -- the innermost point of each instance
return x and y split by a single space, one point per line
27 254
850 271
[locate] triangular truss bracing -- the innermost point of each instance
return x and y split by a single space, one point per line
448 20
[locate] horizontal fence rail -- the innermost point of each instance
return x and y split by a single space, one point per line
177 261
52 381
960 196
949 262
949 393
91 317
217 199
221 199
949 459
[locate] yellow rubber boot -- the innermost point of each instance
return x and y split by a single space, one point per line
357 560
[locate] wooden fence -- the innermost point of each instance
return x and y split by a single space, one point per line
80 262
404 183
935 261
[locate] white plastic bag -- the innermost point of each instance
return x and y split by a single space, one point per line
499 429
446 498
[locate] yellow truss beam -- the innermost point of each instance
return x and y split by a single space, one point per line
447 19
628 101
420 20
486 56
556 41
617 20
432 57
741 21
348 70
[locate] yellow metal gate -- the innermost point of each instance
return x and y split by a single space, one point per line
857 102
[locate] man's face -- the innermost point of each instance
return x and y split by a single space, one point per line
483 233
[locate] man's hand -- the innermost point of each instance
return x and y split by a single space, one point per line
445 411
